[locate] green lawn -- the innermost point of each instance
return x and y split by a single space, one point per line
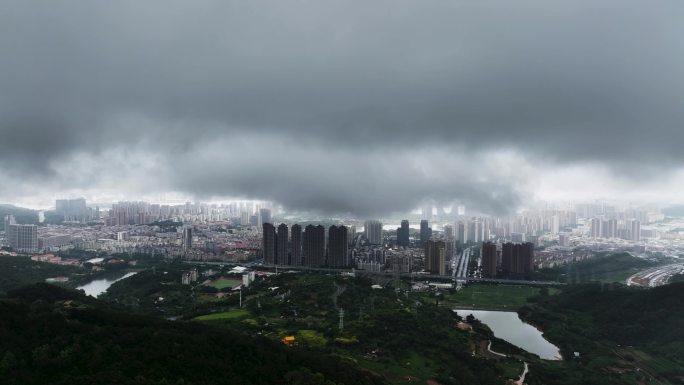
226 315
311 338
494 295
415 366
225 282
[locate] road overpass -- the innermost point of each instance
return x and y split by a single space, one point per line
388 274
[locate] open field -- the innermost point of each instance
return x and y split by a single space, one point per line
414 369
226 315
225 282
498 296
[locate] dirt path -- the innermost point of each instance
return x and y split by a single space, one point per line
521 380
486 351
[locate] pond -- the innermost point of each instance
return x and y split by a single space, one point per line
98 286
508 326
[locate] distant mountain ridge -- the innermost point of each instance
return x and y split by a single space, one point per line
23 215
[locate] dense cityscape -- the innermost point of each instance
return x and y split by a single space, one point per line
257 232
254 268
268 192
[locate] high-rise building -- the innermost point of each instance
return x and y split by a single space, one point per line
425 231
489 259
403 234
296 254
554 224
435 256
608 228
282 255
313 246
372 230
475 231
187 238
72 210
462 232
269 243
244 218
449 232
9 220
127 213
265 215
517 258
525 262
351 234
337 247
634 230
596 228
23 238
518 237
564 240
507 259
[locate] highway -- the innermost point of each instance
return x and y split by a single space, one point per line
460 265
655 276
414 275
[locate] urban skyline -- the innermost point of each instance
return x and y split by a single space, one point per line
335 192
591 222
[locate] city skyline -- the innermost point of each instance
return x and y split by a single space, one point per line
336 192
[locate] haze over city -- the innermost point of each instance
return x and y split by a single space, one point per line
390 192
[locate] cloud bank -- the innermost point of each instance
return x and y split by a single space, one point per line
336 106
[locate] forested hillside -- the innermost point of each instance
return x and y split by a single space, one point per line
57 336
613 328
22 215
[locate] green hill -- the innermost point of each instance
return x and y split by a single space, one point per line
614 328
26 216
56 336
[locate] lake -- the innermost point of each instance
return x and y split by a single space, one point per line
98 286
508 326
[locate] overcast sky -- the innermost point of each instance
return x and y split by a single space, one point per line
343 106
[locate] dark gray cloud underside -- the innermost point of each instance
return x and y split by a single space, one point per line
559 81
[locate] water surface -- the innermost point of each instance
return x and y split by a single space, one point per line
98 286
508 326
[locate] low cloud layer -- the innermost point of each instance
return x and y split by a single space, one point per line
337 106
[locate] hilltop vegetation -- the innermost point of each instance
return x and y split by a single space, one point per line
403 336
390 334
604 267
22 215
20 271
615 329
58 336
400 335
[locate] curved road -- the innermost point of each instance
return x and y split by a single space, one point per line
656 276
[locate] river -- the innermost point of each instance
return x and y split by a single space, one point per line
508 326
98 286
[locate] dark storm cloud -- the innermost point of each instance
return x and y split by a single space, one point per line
560 81
334 180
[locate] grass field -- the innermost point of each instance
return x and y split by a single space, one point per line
226 315
416 368
498 296
655 364
311 338
225 282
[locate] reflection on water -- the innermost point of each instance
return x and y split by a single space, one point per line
508 326
99 286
